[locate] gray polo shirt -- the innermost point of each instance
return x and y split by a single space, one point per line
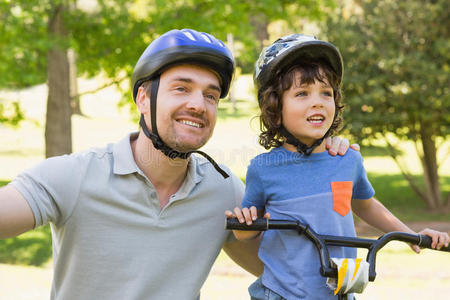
111 240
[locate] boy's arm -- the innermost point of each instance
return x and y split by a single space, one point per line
377 215
245 254
16 216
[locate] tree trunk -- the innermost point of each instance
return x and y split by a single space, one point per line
260 23
430 168
74 98
58 129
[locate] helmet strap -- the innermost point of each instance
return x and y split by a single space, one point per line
158 143
301 147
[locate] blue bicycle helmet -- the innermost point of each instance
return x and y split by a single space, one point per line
176 47
184 46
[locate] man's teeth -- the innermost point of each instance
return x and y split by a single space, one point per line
190 123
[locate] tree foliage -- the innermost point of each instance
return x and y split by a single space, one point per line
247 20
109 35
396 81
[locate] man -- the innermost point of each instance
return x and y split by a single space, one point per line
142 218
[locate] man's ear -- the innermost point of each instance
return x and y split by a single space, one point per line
142 101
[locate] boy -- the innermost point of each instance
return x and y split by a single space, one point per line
298 79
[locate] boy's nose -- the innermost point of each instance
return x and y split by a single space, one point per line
317 101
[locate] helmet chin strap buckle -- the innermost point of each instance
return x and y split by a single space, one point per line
301 147
159 144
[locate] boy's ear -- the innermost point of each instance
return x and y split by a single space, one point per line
279 121
142 101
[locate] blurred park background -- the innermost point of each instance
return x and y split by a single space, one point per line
64 87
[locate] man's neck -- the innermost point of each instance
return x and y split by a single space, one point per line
167 175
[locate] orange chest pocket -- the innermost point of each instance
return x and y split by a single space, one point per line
342 196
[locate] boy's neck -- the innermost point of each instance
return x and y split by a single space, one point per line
318 149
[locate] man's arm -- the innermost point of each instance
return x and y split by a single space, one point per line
245 254
16 216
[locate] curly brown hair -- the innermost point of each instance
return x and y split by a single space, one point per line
270 96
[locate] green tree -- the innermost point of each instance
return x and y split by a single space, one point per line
397 61
109 35
247 20
34 43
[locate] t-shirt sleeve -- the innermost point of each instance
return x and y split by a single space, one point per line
254 192
51 188
363 188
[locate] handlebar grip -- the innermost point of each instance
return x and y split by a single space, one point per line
425 242
260 224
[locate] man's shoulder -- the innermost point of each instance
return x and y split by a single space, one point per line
85 156
73 162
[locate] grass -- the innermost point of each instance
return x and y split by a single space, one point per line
32 248
395 193
3 182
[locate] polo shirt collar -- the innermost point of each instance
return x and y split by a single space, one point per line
123 156
124 161
194 171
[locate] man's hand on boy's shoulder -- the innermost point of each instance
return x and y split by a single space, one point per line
337 145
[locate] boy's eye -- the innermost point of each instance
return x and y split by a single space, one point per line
301 94
328 93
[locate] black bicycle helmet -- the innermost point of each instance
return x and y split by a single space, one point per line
175 47
285 52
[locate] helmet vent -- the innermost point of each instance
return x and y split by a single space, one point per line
189 35
206 38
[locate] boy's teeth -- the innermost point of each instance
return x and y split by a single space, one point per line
315 119
191 123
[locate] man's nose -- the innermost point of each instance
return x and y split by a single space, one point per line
196 102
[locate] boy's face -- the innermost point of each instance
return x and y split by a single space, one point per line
308 110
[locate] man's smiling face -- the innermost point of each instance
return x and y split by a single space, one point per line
187 101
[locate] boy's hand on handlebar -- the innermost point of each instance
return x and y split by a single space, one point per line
439 239
247 215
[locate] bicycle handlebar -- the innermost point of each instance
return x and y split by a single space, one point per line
322 241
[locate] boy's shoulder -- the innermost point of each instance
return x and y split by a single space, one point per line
353 154
269 156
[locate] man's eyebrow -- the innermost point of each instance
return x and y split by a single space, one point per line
214 87
189 80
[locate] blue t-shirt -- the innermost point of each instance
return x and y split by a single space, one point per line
315 190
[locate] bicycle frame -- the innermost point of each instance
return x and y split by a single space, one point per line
323 241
